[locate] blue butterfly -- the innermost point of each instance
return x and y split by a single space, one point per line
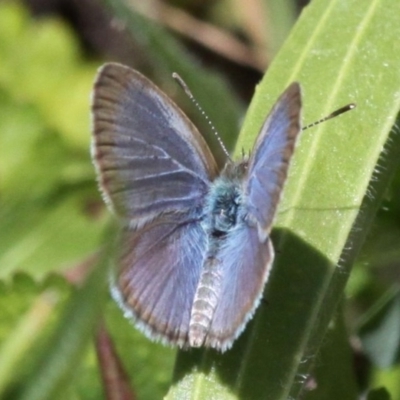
195 249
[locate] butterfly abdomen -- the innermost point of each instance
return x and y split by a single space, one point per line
205 301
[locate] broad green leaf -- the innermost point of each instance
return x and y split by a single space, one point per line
333 375
340 51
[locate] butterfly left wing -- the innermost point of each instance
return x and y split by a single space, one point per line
159 268
155 170
246 256
149 157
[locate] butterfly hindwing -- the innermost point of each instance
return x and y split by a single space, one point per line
244 264
159 268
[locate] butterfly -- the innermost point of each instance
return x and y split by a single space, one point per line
194 248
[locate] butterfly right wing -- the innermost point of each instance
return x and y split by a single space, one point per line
149 157
159 271
270 158
245 258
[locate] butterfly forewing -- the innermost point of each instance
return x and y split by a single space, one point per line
150 157
270 158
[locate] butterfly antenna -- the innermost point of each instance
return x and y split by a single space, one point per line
336 113
198 106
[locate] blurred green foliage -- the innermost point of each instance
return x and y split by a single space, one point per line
48 197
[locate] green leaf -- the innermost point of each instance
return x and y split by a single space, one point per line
40 239
47 182
388 380
65 349
379 330
13 348
340 51
41 64
27 312
378 394
333 375
148 364
280 17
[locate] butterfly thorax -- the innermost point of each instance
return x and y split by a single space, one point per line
223 208
224 200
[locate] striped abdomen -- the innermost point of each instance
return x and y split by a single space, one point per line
205 301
